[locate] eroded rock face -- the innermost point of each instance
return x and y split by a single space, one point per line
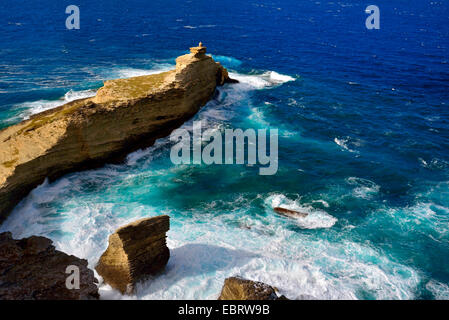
236 288
124 116
31 269
135 251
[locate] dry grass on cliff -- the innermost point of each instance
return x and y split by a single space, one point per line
131 88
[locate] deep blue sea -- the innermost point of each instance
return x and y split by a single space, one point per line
363 120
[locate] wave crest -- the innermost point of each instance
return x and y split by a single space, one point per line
315 219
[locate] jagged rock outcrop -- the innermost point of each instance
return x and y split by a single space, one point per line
135 251
290 213
31 269
125 115
236 288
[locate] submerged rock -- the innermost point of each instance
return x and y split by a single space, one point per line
135 251
236 288
124 116
290 213
31 269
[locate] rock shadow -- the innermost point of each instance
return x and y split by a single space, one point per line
192 260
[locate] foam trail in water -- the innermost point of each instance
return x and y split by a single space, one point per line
364 188
261 81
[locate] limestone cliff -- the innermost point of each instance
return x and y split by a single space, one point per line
125 115
135 251
31 269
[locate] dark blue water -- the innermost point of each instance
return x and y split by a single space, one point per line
364 141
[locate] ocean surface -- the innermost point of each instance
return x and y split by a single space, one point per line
363 120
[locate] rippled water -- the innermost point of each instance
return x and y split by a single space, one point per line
363 143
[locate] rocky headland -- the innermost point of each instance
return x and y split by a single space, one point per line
124 116
31 269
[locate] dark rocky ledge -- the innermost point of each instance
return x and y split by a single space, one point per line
31 269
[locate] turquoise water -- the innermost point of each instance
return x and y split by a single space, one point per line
363 144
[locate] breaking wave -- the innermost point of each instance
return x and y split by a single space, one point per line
27 109
315 219
261 81
347 144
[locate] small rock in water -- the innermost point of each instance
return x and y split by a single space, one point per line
290 213
236 288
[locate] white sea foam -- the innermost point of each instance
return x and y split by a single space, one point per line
315 219
73 95
364 188
345 144
258 116
439 290
324 203
203 247
341 143
81 210
426 218
279 78
261 81
148 154
30 108
277 256
434 164
135 72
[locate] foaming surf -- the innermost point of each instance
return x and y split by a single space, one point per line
135 72
440 291
348 144
202 242
315 218
27 109
81 210
261 81
363 188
